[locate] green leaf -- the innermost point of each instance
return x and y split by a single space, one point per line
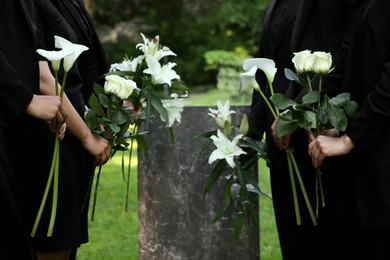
340 100
91 119
114 127
95 105
119 117
311 97
238 224
98 89
311 118
104 100
156 103
285 127
337 118
291 75
179 85
282 102
214 175
351 108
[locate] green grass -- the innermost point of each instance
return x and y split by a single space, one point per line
113 233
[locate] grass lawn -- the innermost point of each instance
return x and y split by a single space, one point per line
113 233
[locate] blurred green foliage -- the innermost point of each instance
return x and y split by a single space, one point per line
189 28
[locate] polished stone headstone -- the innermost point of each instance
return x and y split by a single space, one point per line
175 217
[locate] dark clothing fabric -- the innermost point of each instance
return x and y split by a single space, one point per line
318 26
71 226
92 64
368 80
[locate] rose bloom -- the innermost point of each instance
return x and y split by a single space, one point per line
303 61
119 86
322 63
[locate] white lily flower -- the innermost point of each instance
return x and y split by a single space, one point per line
54 57
174 109
226 149
222 114
160 74
127 65
76 50
119 86
266 65
153 48
248 79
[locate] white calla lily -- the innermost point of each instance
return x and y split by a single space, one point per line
226 149
248 79
160 74
54 57
75 49
266 65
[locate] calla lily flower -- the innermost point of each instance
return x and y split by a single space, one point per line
160 74
222 114
75 49
226 149
54 57
248 79
153 48
266 65
174 108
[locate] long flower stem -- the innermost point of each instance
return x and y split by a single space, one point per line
306 198
128 173
95 193
268 104
293 188
48 184
309 82
55 189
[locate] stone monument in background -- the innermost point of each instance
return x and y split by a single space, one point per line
175 217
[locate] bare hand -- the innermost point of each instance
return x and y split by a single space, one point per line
99 147
326 146
48 108
283 143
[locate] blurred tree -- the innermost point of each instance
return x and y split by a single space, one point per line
189 27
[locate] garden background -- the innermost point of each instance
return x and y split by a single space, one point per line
211 39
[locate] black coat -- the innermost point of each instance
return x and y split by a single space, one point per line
92 64
368 80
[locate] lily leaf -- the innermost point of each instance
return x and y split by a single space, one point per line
214 175
238 224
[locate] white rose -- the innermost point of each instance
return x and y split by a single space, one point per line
113 84
119 86
303 61
127 88
322 63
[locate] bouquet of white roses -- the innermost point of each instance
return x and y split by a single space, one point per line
132 95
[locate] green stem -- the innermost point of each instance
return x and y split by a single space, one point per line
268 104
48 184
128 173
63 84
272 93
309 82
95 193
313 218
293 187
55 189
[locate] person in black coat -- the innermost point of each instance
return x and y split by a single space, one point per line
367 137
293 26
19 100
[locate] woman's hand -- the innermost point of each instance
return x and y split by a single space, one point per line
99 147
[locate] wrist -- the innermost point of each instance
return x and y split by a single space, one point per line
349 144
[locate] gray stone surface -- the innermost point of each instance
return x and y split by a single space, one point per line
175 218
